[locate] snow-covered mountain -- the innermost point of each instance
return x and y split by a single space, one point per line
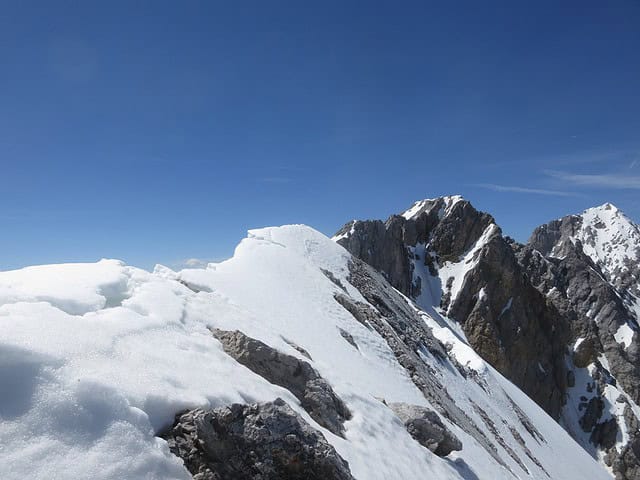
587 265
112 372
557 316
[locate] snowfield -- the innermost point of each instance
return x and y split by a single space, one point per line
95 359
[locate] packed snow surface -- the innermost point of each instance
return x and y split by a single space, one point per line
624 335
95 359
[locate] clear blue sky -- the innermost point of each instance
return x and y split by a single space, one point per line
159 131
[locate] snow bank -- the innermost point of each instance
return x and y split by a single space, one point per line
97 358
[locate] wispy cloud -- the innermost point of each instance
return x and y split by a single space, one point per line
619 157
279 180
195 262
516 189
279 174
597 180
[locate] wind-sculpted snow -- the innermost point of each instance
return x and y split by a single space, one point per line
97 359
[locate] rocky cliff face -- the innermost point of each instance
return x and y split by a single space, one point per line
557 316
446 254
587 266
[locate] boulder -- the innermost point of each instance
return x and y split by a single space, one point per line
301 379
425 426
262 441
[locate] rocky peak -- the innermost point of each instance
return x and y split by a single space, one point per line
441 205
587 267
607 236
445 254
450 225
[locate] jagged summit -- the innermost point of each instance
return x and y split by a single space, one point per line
558 316
610 238
605 234
587 266
448 256
444 205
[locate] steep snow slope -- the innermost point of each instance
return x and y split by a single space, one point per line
95 359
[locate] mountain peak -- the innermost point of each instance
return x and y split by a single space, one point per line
444 203
606 235
606 208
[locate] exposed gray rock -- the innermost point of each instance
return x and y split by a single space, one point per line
586 352
582 294
296 347
264 441
407 335
381 245
301 379
513 326
626 465
426 427
491 426
348 337
524 307
605 433
593 301
593 411
525 342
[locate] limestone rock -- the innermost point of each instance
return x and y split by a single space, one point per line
263 441
426 427
301 379
526 341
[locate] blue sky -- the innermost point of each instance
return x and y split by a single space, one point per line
160 131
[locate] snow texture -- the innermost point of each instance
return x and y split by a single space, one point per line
95 359
421 205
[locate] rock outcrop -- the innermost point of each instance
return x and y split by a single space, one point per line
586 265
446 246
409 337
426 427
558 316
301 379
263 441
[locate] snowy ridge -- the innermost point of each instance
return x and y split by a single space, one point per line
610 238
99 358
426 204
347 233
612 241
